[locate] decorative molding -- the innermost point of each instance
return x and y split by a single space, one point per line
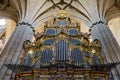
24 23
99 22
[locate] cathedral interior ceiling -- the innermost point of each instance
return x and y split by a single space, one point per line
36 11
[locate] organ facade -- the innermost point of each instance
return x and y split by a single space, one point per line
62 52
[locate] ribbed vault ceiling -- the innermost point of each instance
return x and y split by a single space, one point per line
37 11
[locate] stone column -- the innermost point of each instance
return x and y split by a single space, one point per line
13 49
110 47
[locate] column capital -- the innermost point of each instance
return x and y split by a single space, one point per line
25 23
98 22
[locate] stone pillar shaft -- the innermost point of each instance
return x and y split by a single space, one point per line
110 47
13 49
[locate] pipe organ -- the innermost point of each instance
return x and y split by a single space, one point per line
61 52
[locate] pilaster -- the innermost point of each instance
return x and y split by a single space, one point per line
110 47
13 49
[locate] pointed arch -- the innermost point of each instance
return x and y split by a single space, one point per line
46 56
77 58
96 60
61 50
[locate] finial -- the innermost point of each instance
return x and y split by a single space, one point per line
62 14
